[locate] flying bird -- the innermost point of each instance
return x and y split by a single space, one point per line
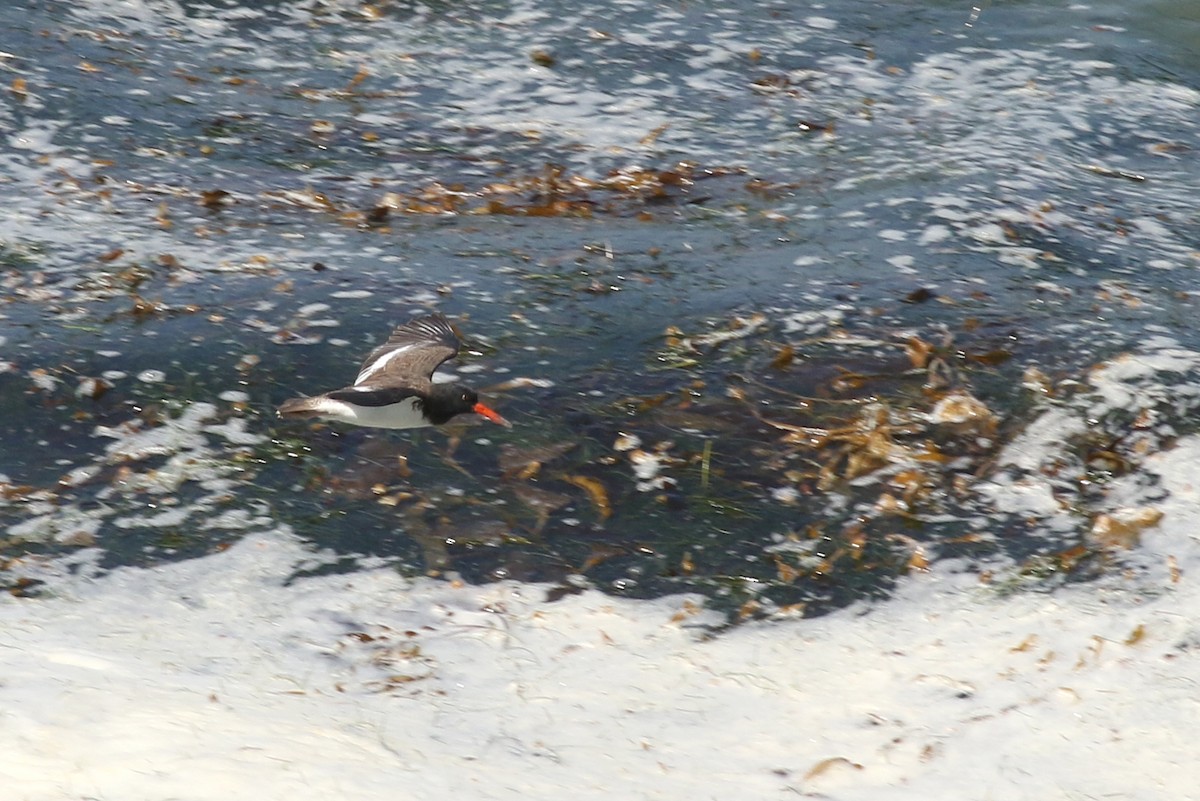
394 387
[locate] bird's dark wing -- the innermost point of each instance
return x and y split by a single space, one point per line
411 354
365 396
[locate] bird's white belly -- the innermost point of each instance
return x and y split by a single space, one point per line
405 414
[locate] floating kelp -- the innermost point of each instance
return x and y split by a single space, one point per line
556 193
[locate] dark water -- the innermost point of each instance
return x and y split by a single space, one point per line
697 226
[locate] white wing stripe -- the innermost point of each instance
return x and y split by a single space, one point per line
382 362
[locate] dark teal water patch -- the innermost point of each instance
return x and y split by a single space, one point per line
472 503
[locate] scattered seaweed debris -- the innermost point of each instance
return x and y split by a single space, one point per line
555 192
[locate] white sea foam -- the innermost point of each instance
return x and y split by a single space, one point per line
248 685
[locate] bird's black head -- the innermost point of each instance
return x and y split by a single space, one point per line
447 400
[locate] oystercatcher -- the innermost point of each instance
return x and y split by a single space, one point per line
393 388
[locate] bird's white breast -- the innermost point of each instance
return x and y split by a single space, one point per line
405 414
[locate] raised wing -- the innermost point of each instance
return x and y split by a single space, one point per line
412 352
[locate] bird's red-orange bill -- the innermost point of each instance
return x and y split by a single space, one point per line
491 415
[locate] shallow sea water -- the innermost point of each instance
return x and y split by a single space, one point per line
693 226
876 312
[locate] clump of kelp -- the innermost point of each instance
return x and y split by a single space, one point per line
553 191
556 192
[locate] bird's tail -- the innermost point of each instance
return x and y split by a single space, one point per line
298 408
